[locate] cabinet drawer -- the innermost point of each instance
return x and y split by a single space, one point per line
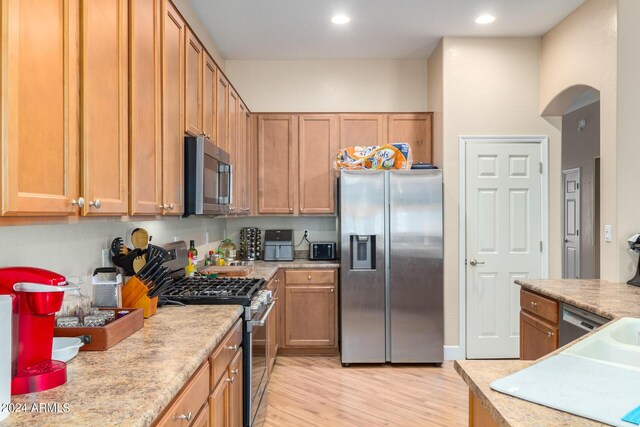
189 401
224 353
544 307
309 277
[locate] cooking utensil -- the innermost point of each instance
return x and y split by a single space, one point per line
138 263
140 238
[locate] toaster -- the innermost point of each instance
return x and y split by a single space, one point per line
322 251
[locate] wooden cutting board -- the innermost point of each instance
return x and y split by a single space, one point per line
230 270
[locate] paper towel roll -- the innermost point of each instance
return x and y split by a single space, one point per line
5 355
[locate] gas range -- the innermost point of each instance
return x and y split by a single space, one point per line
202 290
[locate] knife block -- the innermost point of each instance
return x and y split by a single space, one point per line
134 294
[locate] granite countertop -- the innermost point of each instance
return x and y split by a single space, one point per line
268 269
134 381
607 299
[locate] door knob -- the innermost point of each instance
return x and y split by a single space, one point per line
566 240
79 203
96 203
475 262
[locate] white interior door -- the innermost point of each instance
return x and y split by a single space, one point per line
503 241
571 224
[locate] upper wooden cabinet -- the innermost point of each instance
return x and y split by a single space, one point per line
222 111
209 98
362 129
233 147
414 129
317 146
173 54
104 106
145 113
193 71
40 101
277 153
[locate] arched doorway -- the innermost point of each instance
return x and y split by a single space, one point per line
577 111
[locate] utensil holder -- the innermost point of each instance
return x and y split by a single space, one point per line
134 294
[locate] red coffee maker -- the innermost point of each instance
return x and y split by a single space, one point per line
39 294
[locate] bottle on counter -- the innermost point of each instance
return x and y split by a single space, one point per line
190 269
228 249
193 251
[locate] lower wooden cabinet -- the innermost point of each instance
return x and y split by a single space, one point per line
537 338
538 325
213 396
479 416
310 312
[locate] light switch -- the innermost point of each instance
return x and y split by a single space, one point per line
607 233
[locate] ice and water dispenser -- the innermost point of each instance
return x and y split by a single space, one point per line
363 252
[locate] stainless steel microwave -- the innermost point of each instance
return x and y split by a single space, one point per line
208 178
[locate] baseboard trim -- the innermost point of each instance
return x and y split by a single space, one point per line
453 352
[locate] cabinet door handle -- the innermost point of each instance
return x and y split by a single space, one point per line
235 371
96 203
549 334
290 209
170 207
332 289
534 304
231 347
186 417
79 203
231 380
309 277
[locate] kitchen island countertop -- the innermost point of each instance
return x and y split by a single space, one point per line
607 299
133 382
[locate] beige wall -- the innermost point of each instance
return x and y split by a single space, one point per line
579 52
190 15
628 144
490 87
331 85
435 93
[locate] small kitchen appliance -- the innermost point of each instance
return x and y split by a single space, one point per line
39 295
278 245
322 251
8 349
208 178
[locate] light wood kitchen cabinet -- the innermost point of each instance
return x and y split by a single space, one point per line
190 400
145 112
538 325
318 144
174 31
414 129
40 138
225 401
362 129
310 317
222 111
537 338
479 416
104 106
193 71
277 171
209 99
233 147
235 390
203 418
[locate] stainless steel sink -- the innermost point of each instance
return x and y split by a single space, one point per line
617 344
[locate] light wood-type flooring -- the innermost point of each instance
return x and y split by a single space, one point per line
318 391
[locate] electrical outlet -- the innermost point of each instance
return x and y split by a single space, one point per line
607 233
106 257
306 232
206 237
175 238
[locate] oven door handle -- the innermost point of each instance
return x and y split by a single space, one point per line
263 319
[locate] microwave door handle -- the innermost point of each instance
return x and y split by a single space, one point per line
230 184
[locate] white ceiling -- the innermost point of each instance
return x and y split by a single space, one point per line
379 29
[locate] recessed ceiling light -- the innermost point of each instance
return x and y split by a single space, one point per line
340 19
485 19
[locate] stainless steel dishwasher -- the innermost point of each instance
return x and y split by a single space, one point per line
576 322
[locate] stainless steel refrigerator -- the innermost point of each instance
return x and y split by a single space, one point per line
391 286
